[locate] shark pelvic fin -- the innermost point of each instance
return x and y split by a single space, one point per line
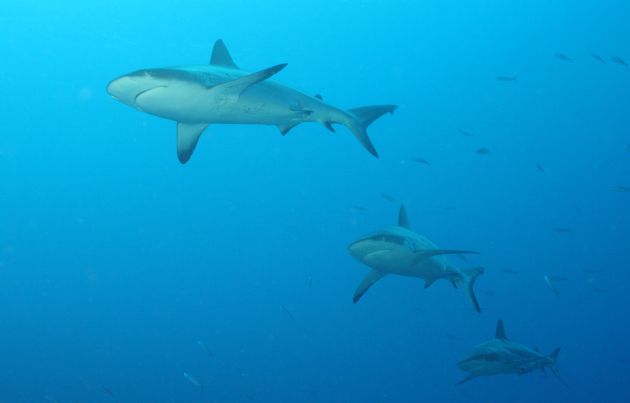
187 138
403 219
367 282
231 90
361 118
221 56
500 333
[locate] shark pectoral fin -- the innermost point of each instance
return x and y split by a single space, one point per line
187 138
231 90
367 282
468 378
221 56
284 129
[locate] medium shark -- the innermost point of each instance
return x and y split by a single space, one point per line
197 96
399 250
503 356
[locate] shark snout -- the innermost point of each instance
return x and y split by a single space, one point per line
127 88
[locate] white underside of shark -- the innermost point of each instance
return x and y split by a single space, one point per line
399 250
197 96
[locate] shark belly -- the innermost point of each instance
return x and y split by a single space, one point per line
263 103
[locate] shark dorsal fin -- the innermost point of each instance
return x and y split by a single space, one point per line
501 331
403 220
221 56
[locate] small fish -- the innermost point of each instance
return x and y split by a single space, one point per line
448 208
450 336
509 271
562 230
506 78
592 271
358 209
107 391
420 160
192 379
551 286
598 58
619 61
465 133
389 197
202 345
289 314
576 208
482 151
310 282
417 309
622 189
490 293
599 290
563 57
540 168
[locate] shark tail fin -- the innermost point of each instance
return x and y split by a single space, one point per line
361 118
554 367
469 276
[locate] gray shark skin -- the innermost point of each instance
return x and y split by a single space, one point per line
196 96
503 356
399 250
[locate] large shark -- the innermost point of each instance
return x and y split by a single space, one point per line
503 356
196 96
399 250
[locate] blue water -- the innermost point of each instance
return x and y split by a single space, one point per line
116 260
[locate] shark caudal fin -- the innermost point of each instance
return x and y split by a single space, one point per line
361 118
554 367
468 278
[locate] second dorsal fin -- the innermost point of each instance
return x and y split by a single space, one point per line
221 56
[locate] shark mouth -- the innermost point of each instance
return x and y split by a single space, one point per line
141 93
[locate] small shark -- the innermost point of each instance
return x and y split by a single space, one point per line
503 356
399 250
196 96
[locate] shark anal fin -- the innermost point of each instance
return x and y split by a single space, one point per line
187 138
500 333
468 378
221 56
367 282
231 90
403 219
